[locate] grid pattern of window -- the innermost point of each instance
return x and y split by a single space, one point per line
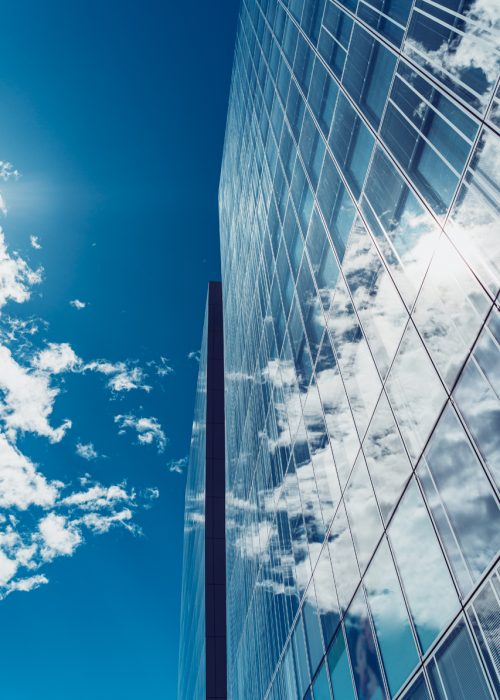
359 210
192 648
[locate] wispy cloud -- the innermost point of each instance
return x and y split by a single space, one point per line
77 304
194 355
86 450
62 528
28 398
178 466
149 430
8 172
56 358
35 242
122 376
16 277
42 519
162 367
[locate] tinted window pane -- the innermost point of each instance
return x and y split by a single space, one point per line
390 619
362 512
484 615
426 580
340 674
418 691
416 404
362 650
469 512
458 674
321 686
478 397
386 458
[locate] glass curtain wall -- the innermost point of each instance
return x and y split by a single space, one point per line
359 214
192 649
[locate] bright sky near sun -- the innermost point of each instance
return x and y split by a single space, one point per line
111 130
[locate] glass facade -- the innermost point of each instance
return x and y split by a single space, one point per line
359 211
202 652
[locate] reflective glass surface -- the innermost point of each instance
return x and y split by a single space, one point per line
359 212
192 652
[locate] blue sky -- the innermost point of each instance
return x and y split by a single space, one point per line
113 113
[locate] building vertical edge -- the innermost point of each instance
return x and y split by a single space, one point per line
215 539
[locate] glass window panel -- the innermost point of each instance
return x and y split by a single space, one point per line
386 458
385 24
418 690
462 60
326 595
450 310
451 469
344 565
430 172
341 221
356 363
362 650
390 619
428 109
456 672
426 579
330 190
322 459
322 96
362 512
290 675
416 404
300 656
321 687
368 73
312 627
358 157
323 263
381 310
484 615
339 421
308 491
405 233
478 399
351 143
340 673
473 223
312 313
297 529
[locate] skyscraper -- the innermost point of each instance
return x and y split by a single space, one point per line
359 207
202 654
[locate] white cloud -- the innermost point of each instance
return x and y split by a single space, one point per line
35 242
56 358
101 524
21 485
16 277
123 376
28 400
98 497
162 368
86 450
30 541
194 355
27 584
58 535
178 465
7 171
8 568
149 430
40 518
77 304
